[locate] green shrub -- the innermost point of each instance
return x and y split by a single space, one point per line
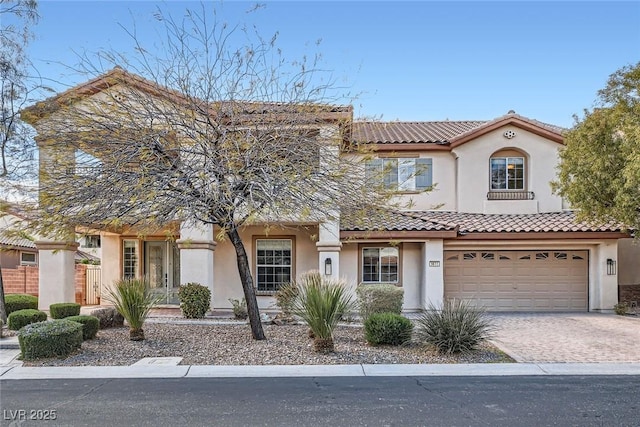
387 329
379 298
57 338
286 296
132 299
621 308
321 303
456 328
64 309
239 308
15 302
20 318
90 325
195 300
109 317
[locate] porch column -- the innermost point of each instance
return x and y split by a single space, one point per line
196 246
56 252
56 272
603 286
329 247
433 277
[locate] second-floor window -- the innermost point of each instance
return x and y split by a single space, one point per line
507 173
401 174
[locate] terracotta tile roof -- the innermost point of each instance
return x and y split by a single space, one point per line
542 222
410 132
16 241
393 221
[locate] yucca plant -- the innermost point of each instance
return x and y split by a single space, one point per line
458 327
321 303
132 299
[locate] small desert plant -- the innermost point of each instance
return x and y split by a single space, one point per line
132 299
108 317
621 308
239 308
286 296
20 318
387 329
379 298
320 303
90 325
57 338
456 328
195 300
64 309
15 302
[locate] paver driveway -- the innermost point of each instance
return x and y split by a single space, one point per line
568 337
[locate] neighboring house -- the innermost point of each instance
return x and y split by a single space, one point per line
490 230
15 250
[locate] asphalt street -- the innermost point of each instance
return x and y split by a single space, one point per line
335 401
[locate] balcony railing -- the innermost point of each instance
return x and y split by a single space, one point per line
510 195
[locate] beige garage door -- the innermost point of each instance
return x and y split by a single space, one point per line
519 280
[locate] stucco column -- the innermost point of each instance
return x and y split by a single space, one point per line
329 247
603 290
197 246
56 272
433 277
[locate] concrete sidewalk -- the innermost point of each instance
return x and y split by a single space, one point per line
200 371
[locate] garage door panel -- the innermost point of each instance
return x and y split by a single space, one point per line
518 280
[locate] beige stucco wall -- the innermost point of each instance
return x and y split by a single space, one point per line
473 172
226 278
110 261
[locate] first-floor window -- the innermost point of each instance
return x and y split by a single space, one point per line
27 258
129 259
273 263
380 265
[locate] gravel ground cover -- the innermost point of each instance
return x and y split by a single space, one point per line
231 344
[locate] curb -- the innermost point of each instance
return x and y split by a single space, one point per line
278 371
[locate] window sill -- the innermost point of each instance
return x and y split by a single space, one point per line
266 293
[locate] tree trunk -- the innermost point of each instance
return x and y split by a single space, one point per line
3 310
247 285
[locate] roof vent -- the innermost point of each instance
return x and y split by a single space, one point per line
511 112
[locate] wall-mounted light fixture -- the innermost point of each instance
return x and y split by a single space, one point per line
611 267
327 267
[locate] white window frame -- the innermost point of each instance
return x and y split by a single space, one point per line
130 258
272 286
30 263
380 275
508 160
402 174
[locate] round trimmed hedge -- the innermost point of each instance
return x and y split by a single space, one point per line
387 329
90 325
15 302
64 309
20 318
194 300
57 338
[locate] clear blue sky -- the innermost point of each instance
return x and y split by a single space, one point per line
412 61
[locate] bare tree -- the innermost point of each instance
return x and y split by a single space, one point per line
211 134
16 147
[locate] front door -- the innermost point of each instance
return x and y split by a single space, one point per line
162 269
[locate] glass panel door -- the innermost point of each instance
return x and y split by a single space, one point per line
162 269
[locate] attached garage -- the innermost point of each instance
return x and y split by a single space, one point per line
537 280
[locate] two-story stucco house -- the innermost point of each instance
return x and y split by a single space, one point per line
484 226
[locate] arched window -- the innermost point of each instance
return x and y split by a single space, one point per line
507 171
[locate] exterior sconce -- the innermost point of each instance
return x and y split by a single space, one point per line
327 267
611 267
